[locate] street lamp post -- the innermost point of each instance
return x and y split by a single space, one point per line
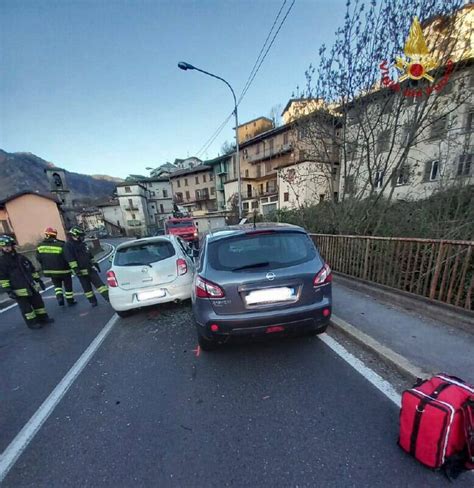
185 66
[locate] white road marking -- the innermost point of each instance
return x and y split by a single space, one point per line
13 305
384 386
28 432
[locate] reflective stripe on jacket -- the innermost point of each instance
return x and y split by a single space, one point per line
50 254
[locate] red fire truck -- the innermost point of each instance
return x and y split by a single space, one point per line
183 227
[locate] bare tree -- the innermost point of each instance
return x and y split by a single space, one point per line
275 115
375 134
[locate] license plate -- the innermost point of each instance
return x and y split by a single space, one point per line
270 295
148 295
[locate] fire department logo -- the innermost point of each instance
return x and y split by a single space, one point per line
415 65
418 61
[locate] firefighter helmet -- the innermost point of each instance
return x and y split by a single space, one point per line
6 241
50 232
76 231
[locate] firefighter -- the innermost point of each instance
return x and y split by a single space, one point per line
20 280
50 254
83 265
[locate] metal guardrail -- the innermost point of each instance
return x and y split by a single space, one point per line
441 270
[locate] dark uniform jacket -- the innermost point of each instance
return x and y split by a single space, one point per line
79 257
50 254
18 274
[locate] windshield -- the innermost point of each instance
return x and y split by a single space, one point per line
275 250
144 254
181 223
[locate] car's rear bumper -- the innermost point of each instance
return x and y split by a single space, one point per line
123 300
294 319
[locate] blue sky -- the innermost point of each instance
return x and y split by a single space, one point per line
93 85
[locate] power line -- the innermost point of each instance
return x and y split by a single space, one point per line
263 47
266 52
253 73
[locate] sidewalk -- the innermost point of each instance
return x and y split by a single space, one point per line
429 344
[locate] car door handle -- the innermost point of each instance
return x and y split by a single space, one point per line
147 280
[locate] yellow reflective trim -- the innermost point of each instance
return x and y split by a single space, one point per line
50 250
22 292
30 315
40 311
73 264
56 271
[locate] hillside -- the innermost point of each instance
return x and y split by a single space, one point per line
25 171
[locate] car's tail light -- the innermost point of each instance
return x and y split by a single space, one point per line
112 279
323 277
181 267
206 289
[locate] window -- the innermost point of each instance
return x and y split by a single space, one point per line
246 154
213 190
152 193
133 216
431 170
438 127
249 191
290 175
378 180
130 204
246 173
464 165
245 205
383 141
270 145
211 176
234 166
286 197
185 182
285 138
321 198
139 255
187 195
165 193
257 149
254 205
268 167
162 210
470 119
178 183
278 249
204 178
401 175
336 196
128 189
196 179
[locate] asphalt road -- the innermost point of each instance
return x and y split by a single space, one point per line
148 411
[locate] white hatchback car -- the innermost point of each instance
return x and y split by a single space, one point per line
150 271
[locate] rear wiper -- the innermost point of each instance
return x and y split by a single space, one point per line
254 265
138 264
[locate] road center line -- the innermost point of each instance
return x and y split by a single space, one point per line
28 432
384 386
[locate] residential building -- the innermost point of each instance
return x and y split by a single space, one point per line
439 153
160 199
91 219
194 189
25 215
221 168
113 217
133 200
252 128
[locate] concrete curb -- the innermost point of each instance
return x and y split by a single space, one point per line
401 364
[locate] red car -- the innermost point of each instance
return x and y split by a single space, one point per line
182 227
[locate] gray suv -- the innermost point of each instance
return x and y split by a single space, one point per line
261 279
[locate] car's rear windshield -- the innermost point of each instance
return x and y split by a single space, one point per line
181 223
256 251
142 254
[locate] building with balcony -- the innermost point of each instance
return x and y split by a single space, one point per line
133 200
220 167
194 189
